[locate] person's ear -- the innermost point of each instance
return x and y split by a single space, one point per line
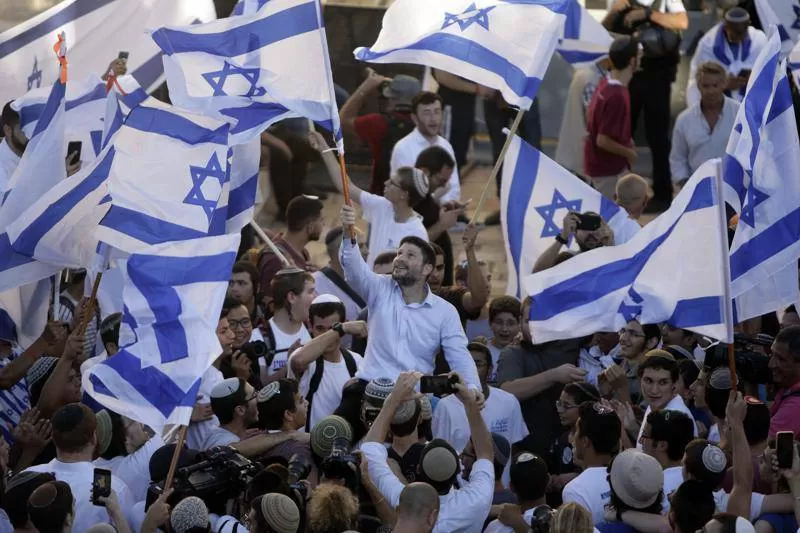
652 343
427 270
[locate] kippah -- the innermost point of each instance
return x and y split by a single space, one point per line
524 457
190 513
714 459
326 299
24 477
268 392
378 390
280 513
439 462
225 388
426 409
328 430
288 271
720 379
737 15
421 183
405 412
104 430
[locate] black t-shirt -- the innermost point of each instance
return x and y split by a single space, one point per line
409 461
428 209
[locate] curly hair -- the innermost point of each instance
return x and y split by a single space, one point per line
332 509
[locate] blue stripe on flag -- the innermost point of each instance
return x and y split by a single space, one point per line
243 197
594 284
29 238
608 209
32 113
8 258
572 24
519 196
765 244
165 304
98 93
146 228
471 52
161 122
149 71
253 115
580 56
179 271
241 40
53 105
782 101
697 312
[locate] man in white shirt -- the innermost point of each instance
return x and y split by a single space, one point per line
408 323
701 132
595 442
734 45
233 401
322 367
461 510
75 438
529 480
12 146
665 436
426 112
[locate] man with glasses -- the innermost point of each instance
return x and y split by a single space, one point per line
234 403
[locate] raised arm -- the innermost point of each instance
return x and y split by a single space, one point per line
741 494
548 258
356 271
307 354
350 109
53 334
479 289
317 142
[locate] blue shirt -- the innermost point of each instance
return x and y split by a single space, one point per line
402 336
615 527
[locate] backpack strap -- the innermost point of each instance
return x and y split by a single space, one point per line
316 380
350 361
337 280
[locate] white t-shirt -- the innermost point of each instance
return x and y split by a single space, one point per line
197 432
283 341
756 502
675 404
495 526
673 478
219 437
384 233
134 469
329 393
591 490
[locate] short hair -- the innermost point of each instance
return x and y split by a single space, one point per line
582 391
622 50
332 509
334 236
18 491
756 421
109 328
710 67
437 250
225 406
425 98
49 505
528 477
290 280
672 427
659 360
601 426
326 309
688 370
571 517
228 303
434 159
651 331
482 349
428 255
791 337
271 411
302 210
384 258
248 268
9 117
417 500
692 505
74 425
627 186
696 468
505 304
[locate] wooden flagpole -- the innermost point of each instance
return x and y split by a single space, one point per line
269 243
346 193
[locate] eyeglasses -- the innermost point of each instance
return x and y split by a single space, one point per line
243 323
630 333
561 406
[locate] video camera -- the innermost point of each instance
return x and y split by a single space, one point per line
221 475
751 364
540 521
339 463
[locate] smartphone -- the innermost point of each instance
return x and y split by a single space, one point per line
745 73
123 55
589 221
101 485
74 147
437 385
784 448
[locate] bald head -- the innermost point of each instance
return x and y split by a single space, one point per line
632 193
419 504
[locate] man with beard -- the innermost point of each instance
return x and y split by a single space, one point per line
784 364
234 404
12 146
586 239
408 323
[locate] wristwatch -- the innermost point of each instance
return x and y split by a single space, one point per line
561 239
338 328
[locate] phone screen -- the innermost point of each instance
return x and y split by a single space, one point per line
784 448
435 385
74 147
101 485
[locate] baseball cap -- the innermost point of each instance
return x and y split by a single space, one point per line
403 88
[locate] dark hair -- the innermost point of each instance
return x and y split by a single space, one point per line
756 423
425 98
717 400
437 250
224 407
622 50
324 310
651 331
529 479
334 236
9 117
384 258
658 360
425 429
49 505
434 159
73 427
483 349
688 370
270 413
248 268
407 428
247 241
505 304
15 498
582 391
791 337
428 255
693 461
288 281
109 329
692 505
301 211
227 305
601 426
672 427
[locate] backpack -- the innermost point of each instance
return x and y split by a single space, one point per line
396 129
316 379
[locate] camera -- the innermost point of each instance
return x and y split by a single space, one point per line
255 350
220 476
337 465
751 365
540 521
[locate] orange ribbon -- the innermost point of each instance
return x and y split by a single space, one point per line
60 49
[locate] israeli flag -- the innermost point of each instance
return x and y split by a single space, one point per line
505 45
585 40
535 196
785 16
794 63
237 202
23 312
173 294
247 7
254 70
760 173
674 270
132 196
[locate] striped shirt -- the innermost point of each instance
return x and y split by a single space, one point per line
14 401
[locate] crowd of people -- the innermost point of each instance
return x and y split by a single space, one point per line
387 391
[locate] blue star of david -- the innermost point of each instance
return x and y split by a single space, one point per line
753 199
213 169
218 78
547 212
796 23
477 16
36 75
631 311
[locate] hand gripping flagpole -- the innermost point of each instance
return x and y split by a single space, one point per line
346 193
499 162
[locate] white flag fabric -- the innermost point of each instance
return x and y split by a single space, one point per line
23 312
655 277
535 196
173 295
247 7
585 40
794 63
785 16
237 202
96 30
503 44
254 69
761 173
